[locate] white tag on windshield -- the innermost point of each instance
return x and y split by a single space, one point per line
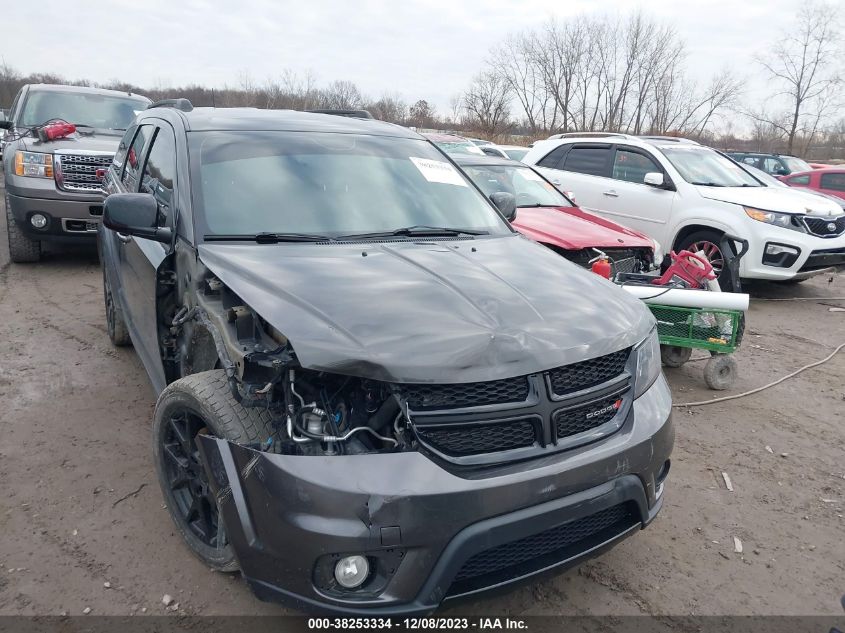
438 171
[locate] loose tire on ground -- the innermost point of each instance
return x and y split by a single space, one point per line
22 250
674 356
205 396
720 372
115 323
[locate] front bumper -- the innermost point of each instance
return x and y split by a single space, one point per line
288 517
816 253
67 220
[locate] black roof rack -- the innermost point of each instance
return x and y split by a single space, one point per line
355 114
180 104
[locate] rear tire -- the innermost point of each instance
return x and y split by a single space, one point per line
115 323
720 372
22 250
195 404
674 356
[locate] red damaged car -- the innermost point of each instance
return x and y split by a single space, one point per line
546 215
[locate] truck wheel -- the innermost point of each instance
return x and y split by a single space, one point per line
674 356
22 250
115 323
200 403
720 372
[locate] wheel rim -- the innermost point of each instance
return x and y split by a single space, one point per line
712 252
194 501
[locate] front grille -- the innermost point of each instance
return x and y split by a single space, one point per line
568 422
479 439
588 373
545 548
825 227
78 172
421 396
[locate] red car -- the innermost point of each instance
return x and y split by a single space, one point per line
830 181
546 215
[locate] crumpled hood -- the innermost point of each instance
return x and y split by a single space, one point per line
779 199
98 141
443 312
573 229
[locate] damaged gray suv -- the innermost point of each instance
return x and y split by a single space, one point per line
375 396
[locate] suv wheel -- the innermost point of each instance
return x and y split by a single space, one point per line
710 243
115 323
200 404
22 250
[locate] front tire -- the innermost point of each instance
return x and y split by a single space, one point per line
195 404
115 323
22 250
709 241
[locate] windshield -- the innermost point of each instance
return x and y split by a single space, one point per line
516 154
529 188
459 147
87 109
703 166
796 164
330 184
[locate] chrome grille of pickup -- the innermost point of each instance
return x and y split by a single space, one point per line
78 172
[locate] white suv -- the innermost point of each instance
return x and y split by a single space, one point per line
686 196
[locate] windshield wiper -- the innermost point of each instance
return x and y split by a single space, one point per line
707 184
269 238
418 230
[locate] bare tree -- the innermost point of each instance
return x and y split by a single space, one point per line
421 114
342 95
487 103
389 108
802 66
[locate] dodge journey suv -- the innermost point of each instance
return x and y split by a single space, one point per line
375 396
687 196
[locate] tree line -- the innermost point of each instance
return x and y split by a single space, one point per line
587 73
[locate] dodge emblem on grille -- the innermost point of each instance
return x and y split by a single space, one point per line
607 409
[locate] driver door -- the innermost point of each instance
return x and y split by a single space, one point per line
150 168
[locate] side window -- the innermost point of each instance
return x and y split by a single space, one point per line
123 148
632 166
799 180
13 109
134 157
587 160
774 166
553 158
836 182
160 173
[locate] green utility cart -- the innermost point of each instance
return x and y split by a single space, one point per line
682 330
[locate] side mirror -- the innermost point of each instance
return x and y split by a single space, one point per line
135 214
5 125
506 203
654 179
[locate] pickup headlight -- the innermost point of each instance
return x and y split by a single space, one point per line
648 363
783 220
35 164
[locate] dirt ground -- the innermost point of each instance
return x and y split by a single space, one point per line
80 504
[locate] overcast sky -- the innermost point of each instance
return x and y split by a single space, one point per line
417 48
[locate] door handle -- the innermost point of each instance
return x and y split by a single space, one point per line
611 194
124 238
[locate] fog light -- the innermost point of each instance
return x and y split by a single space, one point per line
778 249
351 571
38 220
